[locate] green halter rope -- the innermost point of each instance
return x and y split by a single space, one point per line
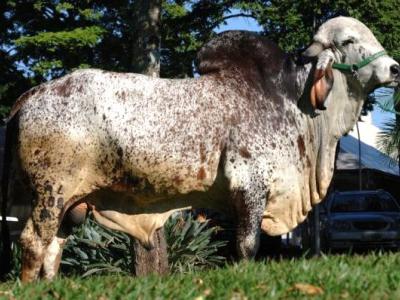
355 67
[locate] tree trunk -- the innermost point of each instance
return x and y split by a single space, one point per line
146 60
146 37
145 262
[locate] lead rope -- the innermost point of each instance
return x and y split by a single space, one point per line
353 69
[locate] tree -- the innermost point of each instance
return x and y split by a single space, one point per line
42 40
290 22
146 60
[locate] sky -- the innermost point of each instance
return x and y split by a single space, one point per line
379 117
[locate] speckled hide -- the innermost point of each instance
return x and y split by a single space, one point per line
249 137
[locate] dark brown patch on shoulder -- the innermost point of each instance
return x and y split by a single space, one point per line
244 152
301 146
201 174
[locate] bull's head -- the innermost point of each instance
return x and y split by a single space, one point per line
348 45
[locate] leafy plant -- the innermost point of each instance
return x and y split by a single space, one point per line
95 249
190 244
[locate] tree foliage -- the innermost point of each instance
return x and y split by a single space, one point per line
45 39
389 137
291 23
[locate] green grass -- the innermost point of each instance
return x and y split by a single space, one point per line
374 276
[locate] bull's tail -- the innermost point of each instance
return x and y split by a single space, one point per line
6 257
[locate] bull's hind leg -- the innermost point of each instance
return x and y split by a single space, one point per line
249 206
38 239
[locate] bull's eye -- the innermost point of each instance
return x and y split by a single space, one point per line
347 42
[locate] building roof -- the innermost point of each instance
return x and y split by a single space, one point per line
371 157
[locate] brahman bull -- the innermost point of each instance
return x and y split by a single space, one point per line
254 136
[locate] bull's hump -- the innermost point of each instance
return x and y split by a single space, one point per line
242 50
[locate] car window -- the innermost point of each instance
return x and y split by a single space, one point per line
363 202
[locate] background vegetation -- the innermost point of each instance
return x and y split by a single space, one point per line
45 39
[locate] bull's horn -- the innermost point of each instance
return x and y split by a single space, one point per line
313 50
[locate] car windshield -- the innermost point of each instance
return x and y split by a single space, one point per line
363 202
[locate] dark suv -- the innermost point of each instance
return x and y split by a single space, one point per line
361 219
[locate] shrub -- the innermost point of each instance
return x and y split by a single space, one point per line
95 249
190 244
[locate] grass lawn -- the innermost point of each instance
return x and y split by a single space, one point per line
373 276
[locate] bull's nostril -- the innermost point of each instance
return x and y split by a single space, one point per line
395 69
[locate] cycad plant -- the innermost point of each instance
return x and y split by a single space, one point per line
190 244
95 249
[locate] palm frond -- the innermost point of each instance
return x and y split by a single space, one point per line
389 140
387 99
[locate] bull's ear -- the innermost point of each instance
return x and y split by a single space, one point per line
323 80
313 50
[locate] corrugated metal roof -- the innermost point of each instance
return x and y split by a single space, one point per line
371 157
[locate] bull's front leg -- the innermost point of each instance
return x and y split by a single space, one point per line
249 206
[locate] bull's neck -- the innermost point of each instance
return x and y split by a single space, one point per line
343 104
343 107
